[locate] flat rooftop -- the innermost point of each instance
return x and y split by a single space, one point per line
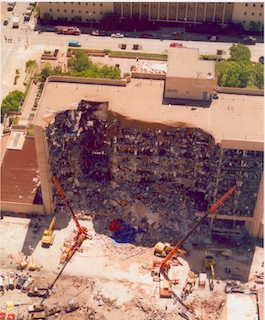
230 118
19 174
184 63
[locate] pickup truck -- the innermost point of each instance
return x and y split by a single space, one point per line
249 40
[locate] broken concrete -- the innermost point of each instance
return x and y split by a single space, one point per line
152 176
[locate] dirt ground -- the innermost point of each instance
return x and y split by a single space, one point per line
113 281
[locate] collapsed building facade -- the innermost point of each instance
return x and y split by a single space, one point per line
153 176
121 152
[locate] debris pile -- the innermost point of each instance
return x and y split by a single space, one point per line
152 177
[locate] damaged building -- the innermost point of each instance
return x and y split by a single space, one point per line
116 160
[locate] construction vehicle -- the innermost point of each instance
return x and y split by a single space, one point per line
161 268
162 249
189 284
209 262
48 235
22 263
81 233
32 264
221 252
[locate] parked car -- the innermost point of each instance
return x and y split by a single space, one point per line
74 44
213 38
2 315
21 280
10 284
176 44
53 311
11 316
146 35
2 290
6 21
99 33
71 307
35 308
11 6
117 35
28 282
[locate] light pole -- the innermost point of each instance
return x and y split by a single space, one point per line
185 19
90 19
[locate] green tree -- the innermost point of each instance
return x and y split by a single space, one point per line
240 52
110 73
258 75
11 102
46 71
81 61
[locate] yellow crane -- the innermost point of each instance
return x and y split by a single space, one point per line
48 236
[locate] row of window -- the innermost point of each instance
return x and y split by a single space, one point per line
79 11
78 3
245 13
254 5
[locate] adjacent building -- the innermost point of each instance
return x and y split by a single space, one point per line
249 14
196 83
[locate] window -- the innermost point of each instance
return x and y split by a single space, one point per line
58 10
252 14
86 12
50 10
101 4
94 4
260 14
261 5
254 5
244 21
79 11
246 4
73 11
65 10
245 13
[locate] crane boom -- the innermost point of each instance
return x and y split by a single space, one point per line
62 194
212 209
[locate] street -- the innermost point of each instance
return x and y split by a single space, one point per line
23 44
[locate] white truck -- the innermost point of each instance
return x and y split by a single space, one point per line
15 22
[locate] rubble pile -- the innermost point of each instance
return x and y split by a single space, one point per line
153 177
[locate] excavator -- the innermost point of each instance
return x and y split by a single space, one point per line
209 262
48 236
80 235
161 268
162 249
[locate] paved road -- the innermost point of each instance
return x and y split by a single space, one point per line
29 44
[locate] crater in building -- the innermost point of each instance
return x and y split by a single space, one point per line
148 177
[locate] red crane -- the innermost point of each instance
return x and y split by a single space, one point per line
164 266
81 234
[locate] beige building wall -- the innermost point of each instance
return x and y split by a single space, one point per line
186 12
188 77
189 88
44 169
75 11
191 12
257 228
247 13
